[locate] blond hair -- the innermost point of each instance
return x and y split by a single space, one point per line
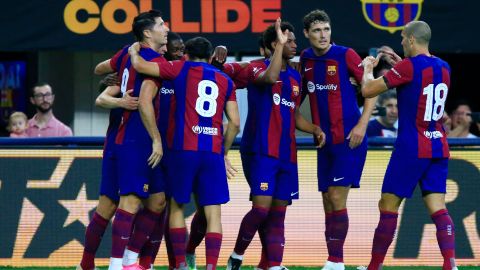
13 116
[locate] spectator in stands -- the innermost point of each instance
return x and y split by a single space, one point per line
44 123
384 125
17 125
461 121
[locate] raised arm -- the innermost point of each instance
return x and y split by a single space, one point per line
140 65
270 75
371 87
103 68
148 91
108 99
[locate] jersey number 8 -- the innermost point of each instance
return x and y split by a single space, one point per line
434 111
209 98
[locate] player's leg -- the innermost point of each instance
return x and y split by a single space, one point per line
178 233
213 237
397 185
145 222
286 190
133 186
211 191
96 228
434 186
149 251
263 170
107 205
180 186
198 229
275 233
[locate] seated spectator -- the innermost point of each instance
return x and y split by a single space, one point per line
44 123
384 126
461 121
17 125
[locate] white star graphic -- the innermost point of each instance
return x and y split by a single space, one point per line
78 209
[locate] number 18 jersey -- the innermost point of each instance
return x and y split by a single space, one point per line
201 94
422 84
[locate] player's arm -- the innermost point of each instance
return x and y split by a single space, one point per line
108 100
104 68
140 65
270 75
302 124
233 127
148 91
371 87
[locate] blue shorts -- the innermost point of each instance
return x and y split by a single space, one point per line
405 172
135 175
339 165
269 176
109 183
202 173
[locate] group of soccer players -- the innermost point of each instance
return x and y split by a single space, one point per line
166 141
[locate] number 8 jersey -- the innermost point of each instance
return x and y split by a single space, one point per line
422 84
201 94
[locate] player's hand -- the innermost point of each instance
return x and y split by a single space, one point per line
390 56
320 136
229 168
370 62
220 54
157 154
356 135
134 48
128 101
110 80
282 37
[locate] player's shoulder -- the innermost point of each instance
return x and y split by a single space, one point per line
442 62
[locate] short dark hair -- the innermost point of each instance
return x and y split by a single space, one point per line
261 44
198 47
270 35
172 36
389 94
39 84
144 21
313 16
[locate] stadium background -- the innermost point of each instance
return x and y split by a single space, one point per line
47 193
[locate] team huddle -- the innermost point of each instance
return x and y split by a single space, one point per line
166 142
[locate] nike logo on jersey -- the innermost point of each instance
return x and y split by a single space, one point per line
125 238
337 179
307 69
293 194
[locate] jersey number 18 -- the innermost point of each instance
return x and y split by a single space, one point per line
434 110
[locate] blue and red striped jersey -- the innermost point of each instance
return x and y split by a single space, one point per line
131 129
166 110
333 98
422 84
270 124
200 96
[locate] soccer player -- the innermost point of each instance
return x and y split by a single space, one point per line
139 177
326 69
195 137
422 82
268 146
108 200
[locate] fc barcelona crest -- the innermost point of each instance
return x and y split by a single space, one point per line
331 70
391 15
